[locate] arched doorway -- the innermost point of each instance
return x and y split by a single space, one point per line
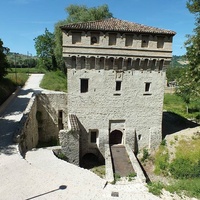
115 137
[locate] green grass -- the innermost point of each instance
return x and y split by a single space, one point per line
186 165
56 81
99 170
184 168
174 103
27 70
190 187
161 160
19 79
9 84
155 188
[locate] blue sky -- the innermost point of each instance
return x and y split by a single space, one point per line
23 20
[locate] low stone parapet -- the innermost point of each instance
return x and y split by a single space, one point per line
135 164
108 162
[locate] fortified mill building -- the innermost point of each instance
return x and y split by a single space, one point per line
116 78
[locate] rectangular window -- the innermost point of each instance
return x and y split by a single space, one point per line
118 85
145 41
160 41
147 87
93 136
129 40
76 38
112 39
84 85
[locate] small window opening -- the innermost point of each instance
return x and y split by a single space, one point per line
139 137
129 40
93 136
112 39
147 87
60 119
76 38
118 85
84 85
145 41
160 41
93 40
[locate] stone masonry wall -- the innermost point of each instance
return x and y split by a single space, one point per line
27 135
104 108
69 141
40 120
49 106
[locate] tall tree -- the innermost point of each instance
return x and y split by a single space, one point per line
193 49
3 60
44 45
78 13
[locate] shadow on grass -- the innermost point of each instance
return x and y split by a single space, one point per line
173 122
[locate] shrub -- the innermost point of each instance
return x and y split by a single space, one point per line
164 142
162 161
184 168
145 155
131 176
191 187
155 188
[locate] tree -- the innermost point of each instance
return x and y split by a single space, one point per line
193 49
77 14
44 45
189 82
3 60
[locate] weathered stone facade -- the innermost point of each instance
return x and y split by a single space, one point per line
42 120
116 78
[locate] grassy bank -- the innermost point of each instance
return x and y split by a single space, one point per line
28 70
175 104
9 84
56 81
178 158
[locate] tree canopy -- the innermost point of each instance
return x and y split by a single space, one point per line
49 45
44 45
193 50
82 13
3 60
189 81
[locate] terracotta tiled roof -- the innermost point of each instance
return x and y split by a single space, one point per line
74 122
113 24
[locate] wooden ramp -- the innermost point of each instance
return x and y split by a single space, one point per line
121 162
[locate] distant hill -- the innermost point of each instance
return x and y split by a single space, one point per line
21 60
179 61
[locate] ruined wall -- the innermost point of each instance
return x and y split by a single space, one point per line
40 120
50 107
27 135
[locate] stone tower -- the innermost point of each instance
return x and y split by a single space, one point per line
116 78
